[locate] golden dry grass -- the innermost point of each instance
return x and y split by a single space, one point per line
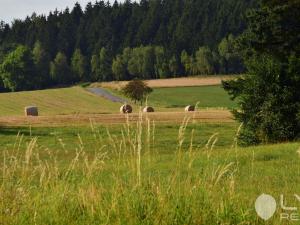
172 82
162 117
61 101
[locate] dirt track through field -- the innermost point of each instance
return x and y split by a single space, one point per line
105 94
161 117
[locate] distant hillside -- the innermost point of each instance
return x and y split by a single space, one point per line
147 40
175 24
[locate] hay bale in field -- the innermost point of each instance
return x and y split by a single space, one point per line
126 108
148 109
31 111
189 108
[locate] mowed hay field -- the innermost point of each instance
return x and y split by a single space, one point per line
172 82
61 101
78 101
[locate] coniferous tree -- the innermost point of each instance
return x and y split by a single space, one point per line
164 28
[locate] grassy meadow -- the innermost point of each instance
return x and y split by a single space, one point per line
67 137
139 173
142 171
179 97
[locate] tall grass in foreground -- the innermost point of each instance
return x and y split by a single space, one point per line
123 182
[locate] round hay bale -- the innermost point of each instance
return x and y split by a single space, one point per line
190 108
31 111
126 108
148 109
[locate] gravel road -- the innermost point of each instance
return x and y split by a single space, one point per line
105 94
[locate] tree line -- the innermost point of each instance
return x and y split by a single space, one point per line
91 44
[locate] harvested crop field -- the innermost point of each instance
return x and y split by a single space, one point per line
62 120
175 82
61 101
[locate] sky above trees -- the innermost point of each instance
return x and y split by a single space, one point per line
19 9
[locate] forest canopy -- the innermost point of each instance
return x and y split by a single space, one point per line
103 41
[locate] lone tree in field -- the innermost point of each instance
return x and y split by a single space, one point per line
269 94
137 90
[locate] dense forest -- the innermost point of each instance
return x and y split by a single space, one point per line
102 42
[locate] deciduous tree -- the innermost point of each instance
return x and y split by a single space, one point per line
137 90
18 70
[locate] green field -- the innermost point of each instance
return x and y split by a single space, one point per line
178 97
140 174
49 136
207 96
55 102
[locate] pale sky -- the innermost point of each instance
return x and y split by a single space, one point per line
19 9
